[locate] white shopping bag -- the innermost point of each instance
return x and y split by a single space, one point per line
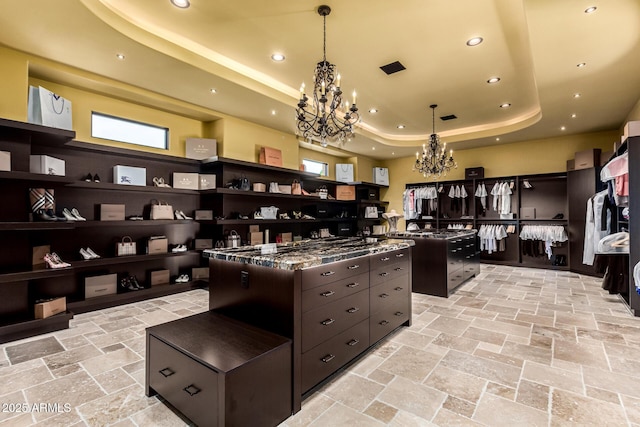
344 172
48 109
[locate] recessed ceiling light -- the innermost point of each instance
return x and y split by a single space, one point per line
590 9
576 95
274 112
474 41
498 139
393 153
373 110
373 148
213 90
563 128
400 126
278 57
182 4
120 56
582 64
505 105
493 80
574 115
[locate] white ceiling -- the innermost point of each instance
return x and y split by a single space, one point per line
534 46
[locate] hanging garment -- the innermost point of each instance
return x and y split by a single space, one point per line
505 192
549 234
481 192
464 200
614 243
495 192
616 273
616 174
593 231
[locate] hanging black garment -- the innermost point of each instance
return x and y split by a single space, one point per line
616 272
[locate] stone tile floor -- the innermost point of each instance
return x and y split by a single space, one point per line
512 347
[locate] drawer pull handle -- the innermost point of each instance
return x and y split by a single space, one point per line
398 269
384 295
353 342
384 322
353 285
384 274
399 288
353 310
328 358
327 294
328 273
353 267
192 390
399 313
399 255
384 259
327 322
166 372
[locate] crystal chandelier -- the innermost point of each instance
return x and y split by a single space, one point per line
434 160
326 117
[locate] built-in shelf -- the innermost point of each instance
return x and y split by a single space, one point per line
37 177
138 188
127 259
36 133
272 221
234 192
35 274
16 327
106 301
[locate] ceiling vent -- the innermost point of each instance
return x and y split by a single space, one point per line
393 67
449 117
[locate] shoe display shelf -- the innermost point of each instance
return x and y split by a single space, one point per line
227 203
21 284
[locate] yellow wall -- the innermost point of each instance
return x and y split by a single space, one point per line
634 115
83 103
521 158
14 72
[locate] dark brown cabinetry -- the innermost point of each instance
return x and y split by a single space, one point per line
332 312
442 264
21 283
233 208
220 372
540 199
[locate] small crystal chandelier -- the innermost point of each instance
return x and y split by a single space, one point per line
434 161
327 117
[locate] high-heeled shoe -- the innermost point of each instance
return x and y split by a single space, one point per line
159 182
77 215
184 216
53 261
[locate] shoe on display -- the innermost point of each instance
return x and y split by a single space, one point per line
85 255
96 178
92 253
307 217
257 215
44 216
284 216
183 278
134 283
135 218
296 214
179 248
243 216
88 178
68 215
77 215
178 215
559 216
184 216
53 261
526 184
159 182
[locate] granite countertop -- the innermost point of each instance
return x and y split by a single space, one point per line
308 253
434 234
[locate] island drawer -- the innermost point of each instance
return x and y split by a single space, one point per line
329 320
327 273
389 272
325 294
385 321
187 384
381 259
323 360
386 294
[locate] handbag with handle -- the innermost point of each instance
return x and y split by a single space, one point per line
126 247
161 210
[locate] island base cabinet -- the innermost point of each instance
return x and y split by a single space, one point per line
321 361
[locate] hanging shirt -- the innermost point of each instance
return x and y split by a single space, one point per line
593 231
505 193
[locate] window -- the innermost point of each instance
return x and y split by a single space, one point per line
316 167
129 131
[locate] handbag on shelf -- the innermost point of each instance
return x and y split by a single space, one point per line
245 185
371 212
126 247
161 210
296 187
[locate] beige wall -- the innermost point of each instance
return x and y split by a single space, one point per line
522 158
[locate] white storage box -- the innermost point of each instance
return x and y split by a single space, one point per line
632 129
46 164
186 181
5 161
207 182
200 148
129 175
